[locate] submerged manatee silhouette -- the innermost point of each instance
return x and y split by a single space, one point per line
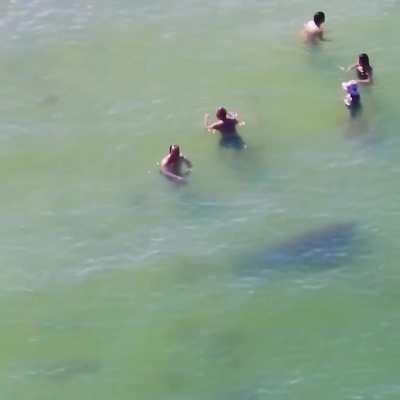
328 246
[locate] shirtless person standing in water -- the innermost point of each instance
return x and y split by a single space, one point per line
226 125
314 29
171 165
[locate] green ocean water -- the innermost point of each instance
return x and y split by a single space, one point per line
117 284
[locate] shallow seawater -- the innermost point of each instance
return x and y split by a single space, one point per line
117 284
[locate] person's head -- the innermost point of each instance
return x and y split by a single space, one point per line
221 113
319 18
363 60
174 151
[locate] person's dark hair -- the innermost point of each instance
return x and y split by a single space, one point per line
319 18
173 147
221 113
363 60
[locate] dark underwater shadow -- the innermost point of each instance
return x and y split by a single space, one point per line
232 141
320 249
248 162
355 111
356 125
359 126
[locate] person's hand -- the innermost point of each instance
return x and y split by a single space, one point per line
233 114
206 121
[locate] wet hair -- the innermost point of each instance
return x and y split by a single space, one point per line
363 60
174 146
221 113
319 18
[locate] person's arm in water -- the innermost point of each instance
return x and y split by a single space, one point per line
367 80
364 81
322 37
351 67
187 162
207 122
164 168
235 116
211 126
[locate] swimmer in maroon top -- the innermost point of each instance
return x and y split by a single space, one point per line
363 69
226 125
172 164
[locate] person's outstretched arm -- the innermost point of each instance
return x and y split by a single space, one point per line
170 175
212 127
351 67
208 124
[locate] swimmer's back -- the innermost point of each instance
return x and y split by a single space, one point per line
227 126
311 28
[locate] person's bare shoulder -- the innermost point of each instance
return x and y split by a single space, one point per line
164 161
217 125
